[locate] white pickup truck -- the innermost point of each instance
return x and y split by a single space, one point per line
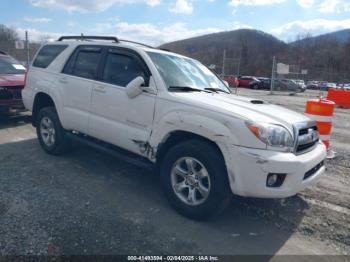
207 143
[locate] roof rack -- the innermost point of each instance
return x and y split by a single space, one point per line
138 43
109 38
85 37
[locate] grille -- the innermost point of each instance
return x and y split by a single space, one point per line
307 137
313 170
11 92
304 131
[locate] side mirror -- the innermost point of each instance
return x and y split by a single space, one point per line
134 88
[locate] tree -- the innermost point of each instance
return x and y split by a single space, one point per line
8 36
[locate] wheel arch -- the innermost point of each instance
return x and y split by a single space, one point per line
41 100
178 136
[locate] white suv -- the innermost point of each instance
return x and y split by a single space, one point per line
176 114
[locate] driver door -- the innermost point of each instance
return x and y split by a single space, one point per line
116 118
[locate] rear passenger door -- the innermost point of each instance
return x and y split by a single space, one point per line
76 84
115 117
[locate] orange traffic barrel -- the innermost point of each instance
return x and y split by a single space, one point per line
340 97
321 110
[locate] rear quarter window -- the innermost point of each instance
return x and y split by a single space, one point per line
47 54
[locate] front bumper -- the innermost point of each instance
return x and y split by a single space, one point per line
249 168
11 104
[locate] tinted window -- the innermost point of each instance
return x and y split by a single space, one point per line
47 54
8 65
86 64
121 69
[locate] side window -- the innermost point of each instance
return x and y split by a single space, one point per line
47 54
84 62
121 69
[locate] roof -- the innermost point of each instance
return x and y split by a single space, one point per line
103 39
110 41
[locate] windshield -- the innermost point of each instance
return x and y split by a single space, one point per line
185 72
9 65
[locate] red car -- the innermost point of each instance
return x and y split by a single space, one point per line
12 75
247 81
231 80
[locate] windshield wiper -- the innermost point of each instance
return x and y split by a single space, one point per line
216 90
184 88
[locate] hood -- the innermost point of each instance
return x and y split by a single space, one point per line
12 80
244 108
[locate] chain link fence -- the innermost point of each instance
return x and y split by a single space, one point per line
296 78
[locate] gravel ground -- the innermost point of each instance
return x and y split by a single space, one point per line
87 202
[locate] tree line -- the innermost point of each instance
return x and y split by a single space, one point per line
251 52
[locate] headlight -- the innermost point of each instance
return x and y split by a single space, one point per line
272 135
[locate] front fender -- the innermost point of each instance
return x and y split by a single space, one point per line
215 129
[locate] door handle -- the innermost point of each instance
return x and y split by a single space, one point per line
63 80
100 89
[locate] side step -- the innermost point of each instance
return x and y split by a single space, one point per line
115 151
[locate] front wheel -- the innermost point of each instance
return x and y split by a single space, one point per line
195 179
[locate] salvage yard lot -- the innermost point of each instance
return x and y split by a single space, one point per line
88 202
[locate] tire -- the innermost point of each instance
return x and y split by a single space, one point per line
48 122
255 87
202 154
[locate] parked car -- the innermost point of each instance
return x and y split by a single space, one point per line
344 86
170 111
265 83
248 81
11 83
324 86
313 85
255 84
285 85
301 85
231 80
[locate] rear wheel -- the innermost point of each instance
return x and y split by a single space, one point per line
51 135
195 180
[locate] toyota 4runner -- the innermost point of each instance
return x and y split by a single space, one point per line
171 111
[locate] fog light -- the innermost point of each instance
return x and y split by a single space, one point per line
271 179
275 180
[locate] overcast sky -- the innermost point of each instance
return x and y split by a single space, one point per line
159 21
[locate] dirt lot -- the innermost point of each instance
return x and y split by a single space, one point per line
88 202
